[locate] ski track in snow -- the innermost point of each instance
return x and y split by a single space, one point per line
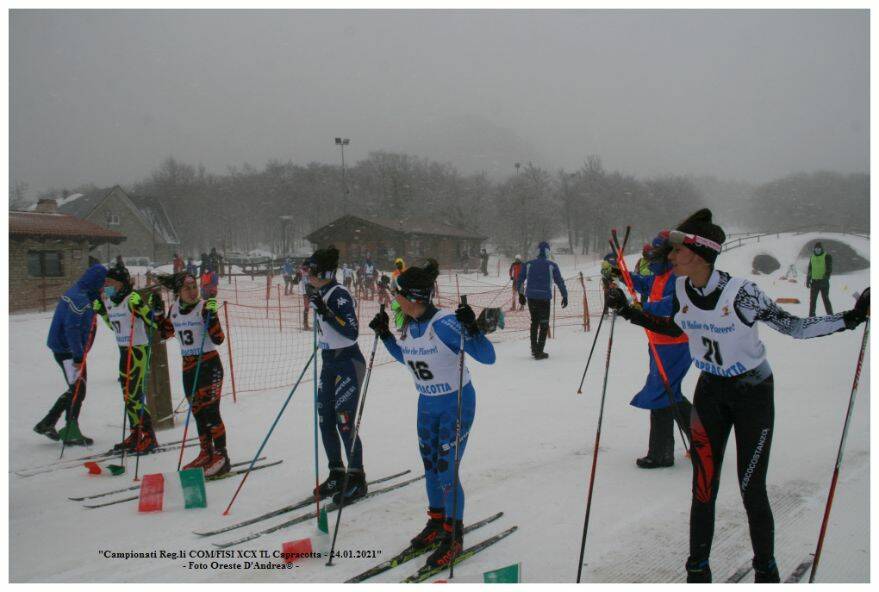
529 455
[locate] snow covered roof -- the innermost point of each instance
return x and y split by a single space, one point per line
401 225
41 225
150 211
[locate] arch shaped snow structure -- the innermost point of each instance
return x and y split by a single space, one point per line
845 258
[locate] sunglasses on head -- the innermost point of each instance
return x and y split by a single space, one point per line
676 237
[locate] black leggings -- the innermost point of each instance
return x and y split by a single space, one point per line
539 310
720 405
63 403
206 402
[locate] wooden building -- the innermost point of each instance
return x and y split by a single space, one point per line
48 251
385 239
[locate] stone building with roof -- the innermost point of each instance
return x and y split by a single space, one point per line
409 238
142 220
48 251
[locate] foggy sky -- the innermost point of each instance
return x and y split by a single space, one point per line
104 96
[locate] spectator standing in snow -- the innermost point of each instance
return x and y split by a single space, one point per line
535 285
818 278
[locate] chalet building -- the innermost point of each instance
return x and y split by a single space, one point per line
142 220
48 251
386 239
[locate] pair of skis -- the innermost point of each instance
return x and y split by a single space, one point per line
77 462
794 578
426 572
207 479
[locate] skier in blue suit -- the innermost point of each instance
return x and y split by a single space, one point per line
70 337
535 284
430 346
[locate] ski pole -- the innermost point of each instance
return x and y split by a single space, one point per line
627 279
613 319
848 417
601 320
126 391
204 334
80 378
314 406
381 309
592 349
146 386
456 478
268 435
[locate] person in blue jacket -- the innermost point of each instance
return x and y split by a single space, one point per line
70 337
656 291
341 376
535 284
430 345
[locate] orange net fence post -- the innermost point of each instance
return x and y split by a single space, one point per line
229 349
587 323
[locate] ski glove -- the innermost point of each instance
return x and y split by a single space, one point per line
860 312
615 298
320 307
808 282
467 318
97 306
564 301
134 300
521 299
210 306
380 324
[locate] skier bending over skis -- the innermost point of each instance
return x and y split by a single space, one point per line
126 314
341 375
430 346
188 318
70 338
719 315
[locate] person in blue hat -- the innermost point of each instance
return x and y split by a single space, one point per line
70 337
534 284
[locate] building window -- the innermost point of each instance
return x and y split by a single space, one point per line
112 219
44 264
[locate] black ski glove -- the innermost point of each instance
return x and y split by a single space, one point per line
467 318
320 307
380 323
521 298
564 301
860 312
615 299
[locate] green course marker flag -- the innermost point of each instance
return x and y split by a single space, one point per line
510 574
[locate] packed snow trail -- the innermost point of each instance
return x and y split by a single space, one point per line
530 447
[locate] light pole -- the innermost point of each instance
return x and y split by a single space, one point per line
341 143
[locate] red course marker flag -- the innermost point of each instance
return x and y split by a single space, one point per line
294 550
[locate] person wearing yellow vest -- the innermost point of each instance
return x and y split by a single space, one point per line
399 316
818 278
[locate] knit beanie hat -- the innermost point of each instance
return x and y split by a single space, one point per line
416 283
703 237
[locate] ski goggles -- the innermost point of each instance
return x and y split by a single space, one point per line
423 295
676 237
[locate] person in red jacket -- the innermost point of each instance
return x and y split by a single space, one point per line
515 268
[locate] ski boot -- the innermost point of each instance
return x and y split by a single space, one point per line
218 465
432 532
332 485
698 572
766 572
452 543
541 355
648 462
71 435
204 457
356 488
147 442
47 429
129 444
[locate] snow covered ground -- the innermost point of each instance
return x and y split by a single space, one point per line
529 456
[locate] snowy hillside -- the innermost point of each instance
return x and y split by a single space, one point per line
529 456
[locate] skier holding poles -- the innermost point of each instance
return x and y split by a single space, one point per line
430 345
657 290
341 377
188 318
719 313
125 313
